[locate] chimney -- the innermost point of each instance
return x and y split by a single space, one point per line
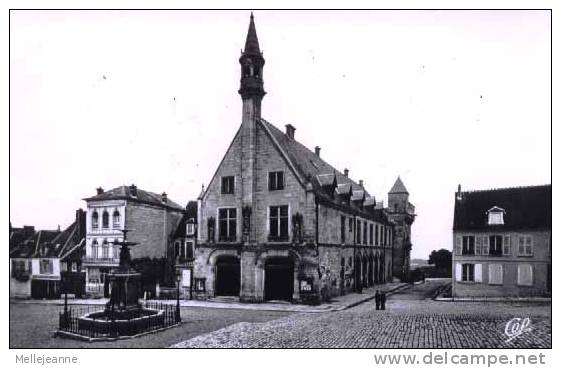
164 197
361 183
317 150
81 223
290 129
133 190
346 172
459 193
99 190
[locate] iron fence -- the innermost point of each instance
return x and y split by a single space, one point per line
93 322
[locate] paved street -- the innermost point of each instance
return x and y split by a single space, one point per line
410 321
32 326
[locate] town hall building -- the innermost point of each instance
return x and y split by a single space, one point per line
277 222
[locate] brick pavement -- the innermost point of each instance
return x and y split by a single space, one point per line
405 324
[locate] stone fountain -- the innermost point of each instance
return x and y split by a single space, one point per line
124 315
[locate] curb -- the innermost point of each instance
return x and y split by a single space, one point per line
389 292
494 300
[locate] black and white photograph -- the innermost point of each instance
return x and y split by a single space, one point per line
281 179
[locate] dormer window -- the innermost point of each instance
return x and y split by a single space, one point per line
496 216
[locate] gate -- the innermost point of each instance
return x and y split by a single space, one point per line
279 279
227 276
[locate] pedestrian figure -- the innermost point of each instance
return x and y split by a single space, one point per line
383 301
377 299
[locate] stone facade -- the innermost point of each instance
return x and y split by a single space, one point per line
152 219
278 222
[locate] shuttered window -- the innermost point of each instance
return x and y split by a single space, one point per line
458 245
506 246
525 275
495 274
478 245
485 250
478 273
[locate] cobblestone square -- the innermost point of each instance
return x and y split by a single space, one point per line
410 321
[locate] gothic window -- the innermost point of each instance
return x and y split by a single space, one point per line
358 231
227 224
278 223
276 180
365 235
227 185
95 220
116 218
371 234
105 220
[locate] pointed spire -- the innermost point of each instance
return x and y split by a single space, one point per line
398 187
251 42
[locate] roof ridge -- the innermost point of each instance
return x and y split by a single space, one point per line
337 172
505 188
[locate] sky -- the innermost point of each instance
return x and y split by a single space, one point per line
440 98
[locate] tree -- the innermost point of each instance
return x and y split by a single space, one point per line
441 259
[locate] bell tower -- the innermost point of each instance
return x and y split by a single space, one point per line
252 92
252 62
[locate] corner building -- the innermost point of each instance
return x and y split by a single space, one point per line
277 222
502 242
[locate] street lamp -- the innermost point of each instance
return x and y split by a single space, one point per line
177 311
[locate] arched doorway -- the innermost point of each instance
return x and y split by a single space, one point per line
279 278
227 276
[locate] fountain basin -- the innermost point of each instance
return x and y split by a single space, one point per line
101 324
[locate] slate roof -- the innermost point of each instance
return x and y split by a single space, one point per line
19 235
142 196
310 168
307 163
55 243
527 208
251 41
398 187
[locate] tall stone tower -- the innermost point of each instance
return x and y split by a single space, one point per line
252 92
402 214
